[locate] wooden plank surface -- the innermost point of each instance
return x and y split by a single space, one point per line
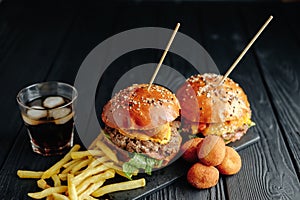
28 58
9 14
92 23
281 74
21 157
290 14
268 170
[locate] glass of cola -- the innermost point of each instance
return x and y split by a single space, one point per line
48 113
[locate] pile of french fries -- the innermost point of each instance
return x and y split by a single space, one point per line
80 175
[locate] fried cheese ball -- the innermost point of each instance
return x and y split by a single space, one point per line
232 162
189 149
211 151
201 176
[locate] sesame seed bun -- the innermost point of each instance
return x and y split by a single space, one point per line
203 100
136 108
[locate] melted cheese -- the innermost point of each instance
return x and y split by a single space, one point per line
162 137
227 127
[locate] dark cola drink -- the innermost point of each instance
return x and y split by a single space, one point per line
50 121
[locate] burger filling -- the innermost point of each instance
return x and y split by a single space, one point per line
161 134
150 146
230 131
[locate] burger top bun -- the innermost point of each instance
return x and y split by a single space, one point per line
203 100
137 108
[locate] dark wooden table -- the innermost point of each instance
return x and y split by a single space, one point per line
42 41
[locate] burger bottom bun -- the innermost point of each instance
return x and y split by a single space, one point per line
201 176
232 162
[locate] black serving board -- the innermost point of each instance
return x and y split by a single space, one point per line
158 180
165 176
248 139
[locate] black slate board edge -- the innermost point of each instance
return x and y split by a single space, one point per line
158 180
249 138
175 171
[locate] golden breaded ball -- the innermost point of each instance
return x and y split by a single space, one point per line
201 176
189 149
211 151
232 162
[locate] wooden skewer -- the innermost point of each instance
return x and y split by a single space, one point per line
246 49
164 55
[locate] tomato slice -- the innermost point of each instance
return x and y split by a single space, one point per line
202 126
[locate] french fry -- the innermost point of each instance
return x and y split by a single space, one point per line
71 188
29 174
91 189
63 177
82 154
89 172
107 151
98 161
85 175
52 170
121 173
90 198
46 192
81 165
114 166
120 169
70 167
127 185
88 181
56 180
57 196
99 137
69 163
42 184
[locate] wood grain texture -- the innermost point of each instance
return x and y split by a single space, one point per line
9 14
28 59
262 162
92 23
58 44
290 14
281 75
22 157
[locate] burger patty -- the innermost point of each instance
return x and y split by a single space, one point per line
150 148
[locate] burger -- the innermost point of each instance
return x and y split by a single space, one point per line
210 107
142 121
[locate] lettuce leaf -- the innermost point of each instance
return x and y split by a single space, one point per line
140 161
129 169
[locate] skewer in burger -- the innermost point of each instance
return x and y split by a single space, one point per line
144 122
208 107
